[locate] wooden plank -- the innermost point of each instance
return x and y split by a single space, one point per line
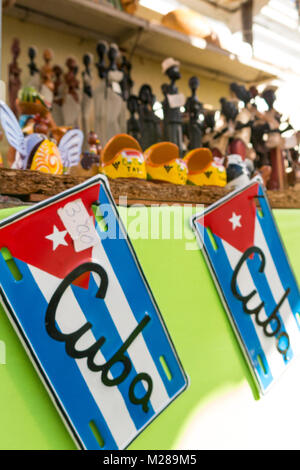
86 18
34 186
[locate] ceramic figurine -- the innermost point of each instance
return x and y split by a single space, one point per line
36 151
163 163
14 72
30 103
47 76
34 80
150 123
58 96
172 104
203 169
194 109
122 157
72 106
87 95
133 123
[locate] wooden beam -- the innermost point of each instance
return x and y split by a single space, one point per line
247 21
34 186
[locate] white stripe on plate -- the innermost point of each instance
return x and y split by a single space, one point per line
277 289
125 322
247 285
109 399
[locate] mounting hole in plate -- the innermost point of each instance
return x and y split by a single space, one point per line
97 434
11 264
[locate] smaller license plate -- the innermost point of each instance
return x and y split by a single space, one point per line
76 294
247 259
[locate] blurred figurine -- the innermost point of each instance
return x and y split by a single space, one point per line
100 93
127 82
87 95
115 107
71 106
229 112
14 72
209 125
237 172
172 104
164 104
240 141
274 141
194 109
47 76
133 123
34 80
58 96
150 123
90 160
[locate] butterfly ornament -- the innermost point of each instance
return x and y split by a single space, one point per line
36 151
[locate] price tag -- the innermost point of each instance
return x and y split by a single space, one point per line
176 101
290 142
87 316
252 273
79 224
116 88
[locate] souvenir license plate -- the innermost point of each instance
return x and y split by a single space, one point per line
78 298
247 259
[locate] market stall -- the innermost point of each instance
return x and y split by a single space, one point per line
175 124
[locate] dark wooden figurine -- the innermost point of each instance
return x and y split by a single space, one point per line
149 122
127 82
133 123
14 72
173 124
87 97
194 109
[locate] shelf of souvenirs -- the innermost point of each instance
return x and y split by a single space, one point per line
134 34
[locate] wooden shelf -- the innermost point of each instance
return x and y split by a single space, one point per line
95 20
35 186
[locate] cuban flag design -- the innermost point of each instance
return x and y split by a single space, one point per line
251 270
89 322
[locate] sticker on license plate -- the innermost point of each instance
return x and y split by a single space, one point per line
246 256
76 294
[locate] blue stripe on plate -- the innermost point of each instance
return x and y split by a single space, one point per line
283 268
265 294
62 370
137 295
98 315
243 322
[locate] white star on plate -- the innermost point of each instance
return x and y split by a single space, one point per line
235 220
57 237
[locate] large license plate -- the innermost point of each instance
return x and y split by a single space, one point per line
77 297
247 259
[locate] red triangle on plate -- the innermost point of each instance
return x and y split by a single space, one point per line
234 220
